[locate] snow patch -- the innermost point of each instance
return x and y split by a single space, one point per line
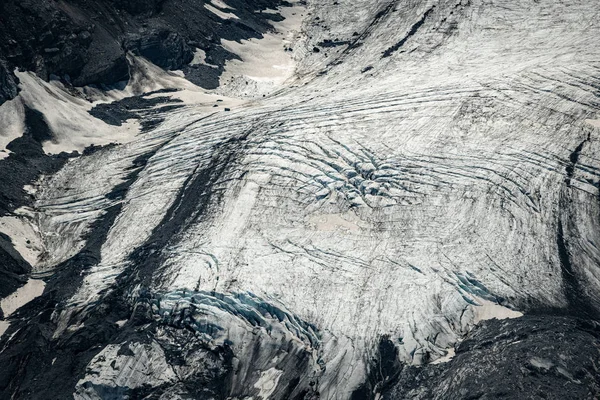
73 128
593 122
267 383
25 237
490 310
199 57
32 289
220 13
221 4
267 63
4 325
334 222
12 115
450 353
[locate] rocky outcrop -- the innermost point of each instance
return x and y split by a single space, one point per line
164 48
85 41
52 38
8 84
139 7
13 268
533 357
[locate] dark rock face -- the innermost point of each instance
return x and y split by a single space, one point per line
8 84
137 7
87 40
26 162
137 107
51 38
13 269
166 49
533 357
383 370
24 165
107 66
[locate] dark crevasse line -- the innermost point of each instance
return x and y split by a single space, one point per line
572 289
376 20
328 43
578 302
413 30
189 311
252 309
189 206
359 38
34 358
574 159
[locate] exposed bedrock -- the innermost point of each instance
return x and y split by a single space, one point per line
14 270
86 40
136 7
166 49
532 357
8 84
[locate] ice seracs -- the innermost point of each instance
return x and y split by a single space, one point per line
430 168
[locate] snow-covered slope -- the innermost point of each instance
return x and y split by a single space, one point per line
426 166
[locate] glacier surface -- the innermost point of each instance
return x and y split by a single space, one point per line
355 203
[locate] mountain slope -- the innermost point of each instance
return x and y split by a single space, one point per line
336 229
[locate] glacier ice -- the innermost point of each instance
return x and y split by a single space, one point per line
432 166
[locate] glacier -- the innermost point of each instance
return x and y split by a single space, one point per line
381 200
